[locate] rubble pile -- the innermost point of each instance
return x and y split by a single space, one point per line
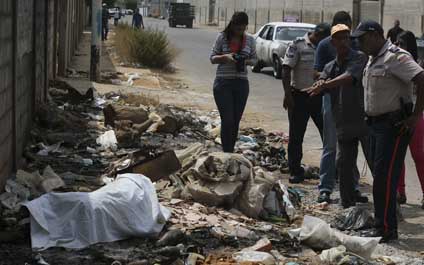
160 169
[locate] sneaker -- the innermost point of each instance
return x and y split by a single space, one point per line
296 179
401 198
324 196
385 236
361 198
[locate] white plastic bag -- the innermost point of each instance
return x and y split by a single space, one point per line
317 234
108 140
333 254
255 257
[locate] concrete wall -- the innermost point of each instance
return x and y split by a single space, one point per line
6 88
28 32
410 12
263 11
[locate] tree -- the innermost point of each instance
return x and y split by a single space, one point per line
131 4
109 3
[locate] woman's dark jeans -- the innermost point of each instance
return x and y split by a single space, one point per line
230 97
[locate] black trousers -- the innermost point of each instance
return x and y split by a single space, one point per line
346 163
388 150
231 98
305 107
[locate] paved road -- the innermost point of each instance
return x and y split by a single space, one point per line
266 92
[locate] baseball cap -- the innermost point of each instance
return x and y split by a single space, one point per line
367 26
323 29
339 28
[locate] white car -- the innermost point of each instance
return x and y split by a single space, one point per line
272 41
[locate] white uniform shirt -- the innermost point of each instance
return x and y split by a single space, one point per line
300 56
388 78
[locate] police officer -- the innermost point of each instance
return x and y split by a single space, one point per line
298 73
388 82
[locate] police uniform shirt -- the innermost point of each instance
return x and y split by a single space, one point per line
387 78
300 58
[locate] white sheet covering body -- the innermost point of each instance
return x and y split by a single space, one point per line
127 207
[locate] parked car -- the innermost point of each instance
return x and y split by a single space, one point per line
272 41
114 10
129 12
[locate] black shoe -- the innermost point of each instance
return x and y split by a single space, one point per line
347 205
296 179
401 198
324 196
385 236
360 198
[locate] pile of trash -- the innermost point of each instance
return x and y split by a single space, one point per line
92 158
264 150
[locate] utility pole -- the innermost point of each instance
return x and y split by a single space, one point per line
96 30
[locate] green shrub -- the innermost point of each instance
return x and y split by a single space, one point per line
148 47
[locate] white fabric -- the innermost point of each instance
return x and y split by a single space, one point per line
127 207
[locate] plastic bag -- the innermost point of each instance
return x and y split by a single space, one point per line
108 140
333 254
254 256
356 218
317 234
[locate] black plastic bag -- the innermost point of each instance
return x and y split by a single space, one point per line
355 219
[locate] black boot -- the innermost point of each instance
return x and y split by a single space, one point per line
385 236
361 198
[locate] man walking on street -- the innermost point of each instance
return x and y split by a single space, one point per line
298 75
137 21
105 22
326 53
342 79
117 16
394 32
388 80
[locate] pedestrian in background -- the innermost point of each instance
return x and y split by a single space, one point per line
117 16
137 21
325 53
298 70
388 81
234 49
408 42
342 80
105 22
394 32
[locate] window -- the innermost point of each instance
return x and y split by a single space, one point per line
270 34
291 33
263 32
